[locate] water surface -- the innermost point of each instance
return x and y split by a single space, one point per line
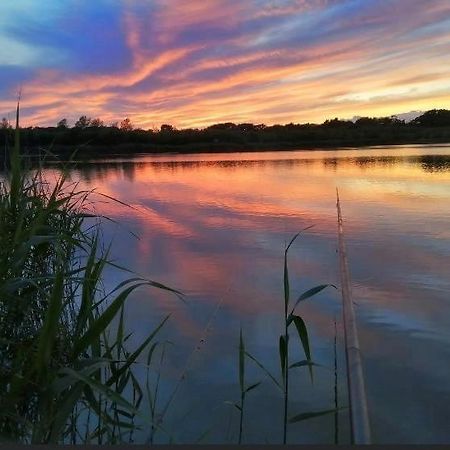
215 226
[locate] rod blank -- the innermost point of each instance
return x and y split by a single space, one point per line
359 416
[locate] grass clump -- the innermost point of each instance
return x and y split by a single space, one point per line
66 374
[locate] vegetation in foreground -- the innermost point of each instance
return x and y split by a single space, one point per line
94 138
66 372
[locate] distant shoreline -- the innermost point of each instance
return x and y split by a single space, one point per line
91 138
128 149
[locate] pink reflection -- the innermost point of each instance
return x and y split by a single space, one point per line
215 224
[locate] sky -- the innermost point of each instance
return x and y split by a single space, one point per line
199 62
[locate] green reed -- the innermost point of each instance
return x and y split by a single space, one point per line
290 318
244 390
66 371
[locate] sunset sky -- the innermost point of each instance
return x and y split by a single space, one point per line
198 62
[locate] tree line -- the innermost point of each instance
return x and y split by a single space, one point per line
93 133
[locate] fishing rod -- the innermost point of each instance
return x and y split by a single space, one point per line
359 414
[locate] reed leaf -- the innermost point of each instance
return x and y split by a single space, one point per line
264 369
310 293
310 415
282 352
100 324
241 361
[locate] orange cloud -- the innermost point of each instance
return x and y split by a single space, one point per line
197 63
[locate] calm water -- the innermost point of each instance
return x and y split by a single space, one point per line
215 227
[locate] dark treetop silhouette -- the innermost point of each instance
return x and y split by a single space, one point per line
92 137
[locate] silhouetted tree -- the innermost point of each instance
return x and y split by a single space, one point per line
223 126
246 127
165 128
62 124
96 123
337 123
4 124
433 118
126 125
83 122
377 121
432 126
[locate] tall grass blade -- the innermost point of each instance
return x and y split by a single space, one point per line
49 329
99 325
241 384
336 399
310 415
261 366
132 357
241 361
282 351
304 339
310 293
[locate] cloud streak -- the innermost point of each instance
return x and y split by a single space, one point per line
196 63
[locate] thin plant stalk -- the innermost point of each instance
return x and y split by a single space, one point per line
241 384
244 390
336 400
291 318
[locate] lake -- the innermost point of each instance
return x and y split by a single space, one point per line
215 226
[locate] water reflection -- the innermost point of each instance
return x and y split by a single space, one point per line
215 226
435 163
99 169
